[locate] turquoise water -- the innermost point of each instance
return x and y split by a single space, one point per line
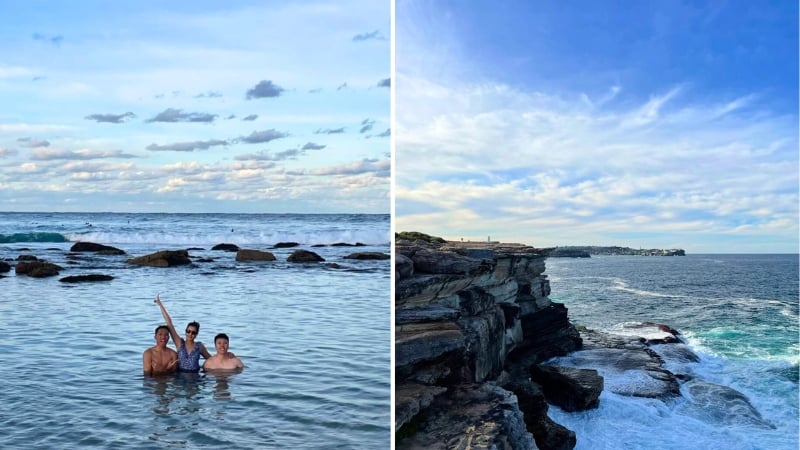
315 339
739 313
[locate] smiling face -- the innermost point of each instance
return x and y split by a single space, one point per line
221 345
191 333
162 336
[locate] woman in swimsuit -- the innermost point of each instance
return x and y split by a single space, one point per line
189 350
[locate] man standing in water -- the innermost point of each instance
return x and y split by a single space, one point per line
158 359
223 359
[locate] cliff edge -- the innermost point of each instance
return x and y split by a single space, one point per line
473 321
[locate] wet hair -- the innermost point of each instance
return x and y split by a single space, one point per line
194 324
160 327
221 336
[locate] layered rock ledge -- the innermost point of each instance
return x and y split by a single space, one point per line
472 319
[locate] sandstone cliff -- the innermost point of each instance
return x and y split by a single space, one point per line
479 346
472 322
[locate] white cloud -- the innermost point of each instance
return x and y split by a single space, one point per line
537 165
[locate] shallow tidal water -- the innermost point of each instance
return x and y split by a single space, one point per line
315 340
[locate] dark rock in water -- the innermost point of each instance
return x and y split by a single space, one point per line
286 245
97 248
226 247
488 417
368 256
644 368
533 404
345 244
254 255
569 388
86 278
164 258
652 333
27 258
723 405
195 249
334 266
304 256
37 269
4 267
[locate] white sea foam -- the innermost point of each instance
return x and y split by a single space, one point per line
710 415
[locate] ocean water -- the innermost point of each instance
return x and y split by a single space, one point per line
315 338
738 313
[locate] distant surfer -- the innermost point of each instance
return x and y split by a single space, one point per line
159 359
223 360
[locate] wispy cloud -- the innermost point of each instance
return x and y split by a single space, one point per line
55 40
177 115
187 146
111 118
264 89
284 155
47 154
372 35
356 168
366 125
209 94
650 111
33 143
260 137
329 130
312 146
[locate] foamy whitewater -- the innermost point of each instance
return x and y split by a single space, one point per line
738 313
315 338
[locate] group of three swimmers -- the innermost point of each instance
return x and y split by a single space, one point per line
160 359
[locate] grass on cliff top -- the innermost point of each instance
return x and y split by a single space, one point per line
416 235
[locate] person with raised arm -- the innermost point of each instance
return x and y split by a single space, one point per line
189 350
159 359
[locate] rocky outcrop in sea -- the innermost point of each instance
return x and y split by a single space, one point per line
479 350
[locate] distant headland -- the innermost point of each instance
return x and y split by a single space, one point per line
570 251
586 251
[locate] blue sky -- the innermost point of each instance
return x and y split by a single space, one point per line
195 106
665 124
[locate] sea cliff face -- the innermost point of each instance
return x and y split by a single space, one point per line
472 321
